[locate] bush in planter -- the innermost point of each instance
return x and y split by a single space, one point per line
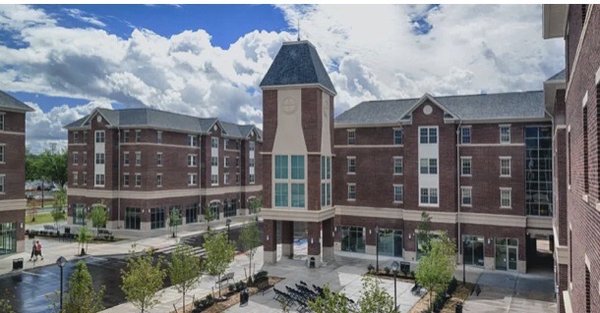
231 288
239 286
412 274
452 286
387 270
370 268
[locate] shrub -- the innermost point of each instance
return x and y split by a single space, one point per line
370 268
387 270
240 285
231 288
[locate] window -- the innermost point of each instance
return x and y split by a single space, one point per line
126 158
99 135
192 140
465 196
2 183
398 134
281 167
252 162
157 218
505 198
125 179
504 133
586 181
75 137
588 291
84 176
214 161
398 165
538 170
192 160
252 178
138 180
351 136
138 135
99 180
297 195
99 158
159 159
326 181
230 208
226 179
138 158
75 178
214 142
1 120
465 134
297 167
351 163
569 156
226 162
214 179
191 213
251 145
427 135
429 196
353 239
79 216
84 158
132 218
505 166
126 136
465 166
159 180
281 194
428 166
85 136
398 193
351 192
75 156
159 136
193 179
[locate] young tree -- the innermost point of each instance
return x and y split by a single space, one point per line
254 205
374 298
219 252
424 235
83 238
184 270
58 214
436 269
99 216
82 298
174 220
60 200
330 302
249 240
209 216
142 280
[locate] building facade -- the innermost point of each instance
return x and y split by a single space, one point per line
144 164
479 165
12 174
574 97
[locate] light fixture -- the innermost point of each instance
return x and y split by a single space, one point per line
312 241
267 237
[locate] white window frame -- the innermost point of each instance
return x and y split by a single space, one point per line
429 167
159 159
192 140
401 159
429 203
138 135
136 176
214 142
84 175
2 124
349 159
2 181
75 176
470 134
349 185
402 193
463 189
214 182
75 156
159 182
96 184
2 153
428 130
225 162
348 137
192 160
100 157
126 158
252 178
509 190
401 136
509 159
76 137
84 158
159 138
138 158
126 181
100 134
462 160
125 135
192 179
226 179
503 126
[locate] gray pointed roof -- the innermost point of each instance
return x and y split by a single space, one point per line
146 117
481 107
8 102
297 63
558 76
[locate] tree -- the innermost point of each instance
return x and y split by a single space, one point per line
374 298
330 302
254 205
184 270
174 220
99 216
436 269
209 216
249 240
82 297
58 212
142 280
219 252
424 234
83 238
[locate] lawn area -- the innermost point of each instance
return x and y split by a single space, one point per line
40 218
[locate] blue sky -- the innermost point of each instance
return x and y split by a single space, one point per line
207 60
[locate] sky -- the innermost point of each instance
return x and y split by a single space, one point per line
208 60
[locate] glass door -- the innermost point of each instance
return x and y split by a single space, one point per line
512 258
501 257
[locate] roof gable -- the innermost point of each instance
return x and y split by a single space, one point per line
9 102
431 99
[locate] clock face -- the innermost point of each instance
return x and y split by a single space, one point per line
99 118
427 109
289 106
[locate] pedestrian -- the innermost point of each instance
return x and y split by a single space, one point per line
32 252
38 250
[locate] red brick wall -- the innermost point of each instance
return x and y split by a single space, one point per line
14 154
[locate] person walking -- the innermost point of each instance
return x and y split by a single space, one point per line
32 252
38 250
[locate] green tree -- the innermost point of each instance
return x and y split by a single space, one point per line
254 205
82 297
184 270
209 216
174 220
374 298
142 280
436 269
99 216
83 238
219 253
60 201
249 241
424 235
331 302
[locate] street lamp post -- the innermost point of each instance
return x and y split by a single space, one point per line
61 263
463 261
395 268
377 250
228 223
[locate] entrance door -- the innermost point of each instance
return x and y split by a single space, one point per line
507 254
512 258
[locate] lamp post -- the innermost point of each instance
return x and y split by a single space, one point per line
395 268
61 263
377 250
228 223
463 260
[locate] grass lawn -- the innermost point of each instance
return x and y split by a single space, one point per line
40 218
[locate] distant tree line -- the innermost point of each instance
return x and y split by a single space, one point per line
47 166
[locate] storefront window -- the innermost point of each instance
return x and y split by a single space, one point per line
390 242
8 238
353 239
191 213
132 218
79 216
157 218
473 250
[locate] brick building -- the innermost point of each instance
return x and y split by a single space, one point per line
480 165
12 174
574 99
142 164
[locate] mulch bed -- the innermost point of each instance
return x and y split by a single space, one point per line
232 299
461 294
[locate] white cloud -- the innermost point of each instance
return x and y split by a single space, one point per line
371 51
85 17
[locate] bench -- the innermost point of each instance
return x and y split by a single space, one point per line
104 234
225 278
50 228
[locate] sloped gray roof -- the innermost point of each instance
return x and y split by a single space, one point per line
558 76
161 120
9 102
511 105
297 62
